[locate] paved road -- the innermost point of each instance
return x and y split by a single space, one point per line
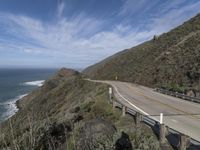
180 115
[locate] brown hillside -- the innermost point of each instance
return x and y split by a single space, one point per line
172 60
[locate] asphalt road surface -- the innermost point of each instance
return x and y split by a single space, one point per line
181 115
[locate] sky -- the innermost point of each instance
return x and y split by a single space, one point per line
79 33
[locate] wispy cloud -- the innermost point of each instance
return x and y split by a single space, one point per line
82 41
60 9
133 7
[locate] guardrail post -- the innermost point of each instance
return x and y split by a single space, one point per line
162 133
176 94
184 142
188 141
113 104
138 118
161 130
166 130
110 94
123 110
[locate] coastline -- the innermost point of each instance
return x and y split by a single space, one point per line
37 83
15 104
11 107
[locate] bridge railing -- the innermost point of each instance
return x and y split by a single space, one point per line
179 95
183 141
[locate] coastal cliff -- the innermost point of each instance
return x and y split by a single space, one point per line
70 113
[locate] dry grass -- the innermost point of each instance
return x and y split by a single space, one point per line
57 115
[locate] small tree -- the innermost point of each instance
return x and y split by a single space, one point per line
155 37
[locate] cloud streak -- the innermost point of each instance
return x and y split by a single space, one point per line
81 41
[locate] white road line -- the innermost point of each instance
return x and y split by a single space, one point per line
128 101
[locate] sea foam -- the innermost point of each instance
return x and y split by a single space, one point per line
11 107
35 83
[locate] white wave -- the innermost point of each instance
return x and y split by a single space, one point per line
11 107
35 83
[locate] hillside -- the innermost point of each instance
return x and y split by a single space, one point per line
70 113
171 60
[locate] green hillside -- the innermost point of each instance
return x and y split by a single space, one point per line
70 113
170 60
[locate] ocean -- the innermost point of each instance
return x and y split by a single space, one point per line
15 84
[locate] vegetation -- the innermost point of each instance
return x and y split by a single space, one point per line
172 58
68 112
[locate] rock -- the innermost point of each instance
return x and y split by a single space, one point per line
123 143
190 93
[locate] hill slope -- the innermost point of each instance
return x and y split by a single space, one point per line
170 60
70 113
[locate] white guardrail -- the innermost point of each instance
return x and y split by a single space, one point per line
184 141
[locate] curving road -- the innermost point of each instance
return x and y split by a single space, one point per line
180 115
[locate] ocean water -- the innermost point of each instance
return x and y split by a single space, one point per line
15 84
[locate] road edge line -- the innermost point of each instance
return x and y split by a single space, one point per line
139 109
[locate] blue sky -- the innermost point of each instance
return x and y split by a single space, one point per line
78 33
